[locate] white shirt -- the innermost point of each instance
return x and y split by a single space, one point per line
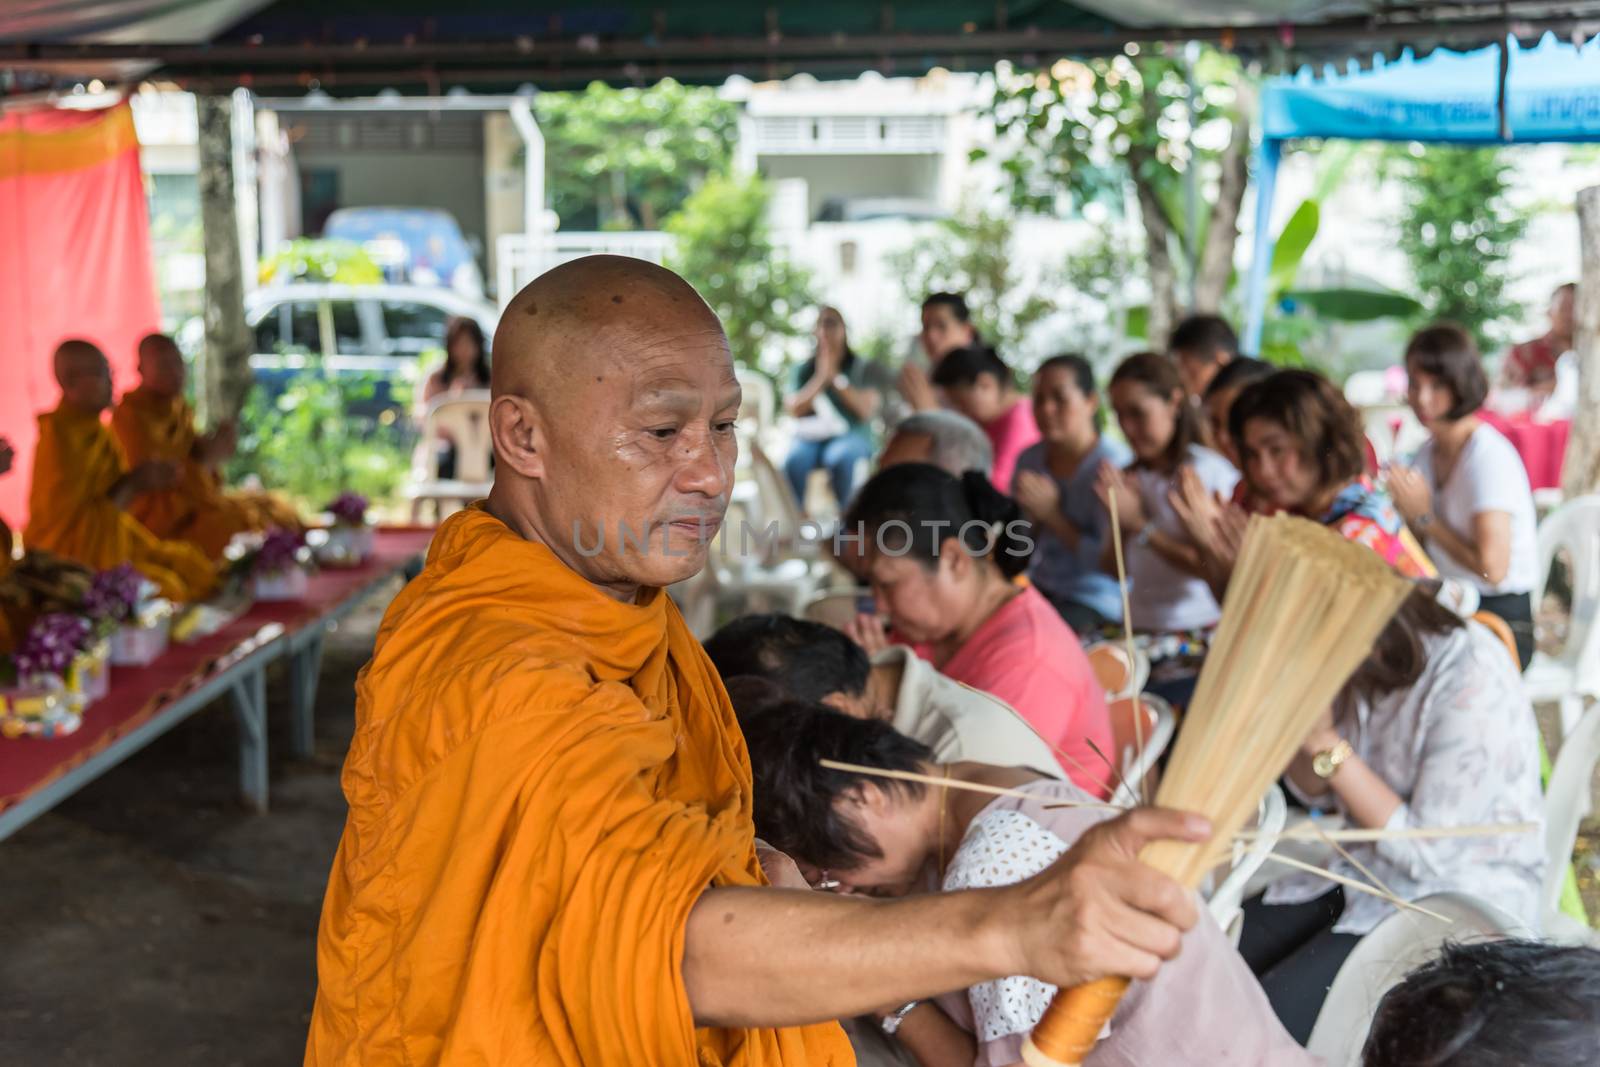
1461 748
959 723
1161 596
1488 476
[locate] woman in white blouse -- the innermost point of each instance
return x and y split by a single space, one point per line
1433 730
1466 494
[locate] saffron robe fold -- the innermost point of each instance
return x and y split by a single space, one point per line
542 783
197 509
70 513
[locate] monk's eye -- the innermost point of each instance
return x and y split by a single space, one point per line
725 427
663 433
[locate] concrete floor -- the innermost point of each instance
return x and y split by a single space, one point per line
150 920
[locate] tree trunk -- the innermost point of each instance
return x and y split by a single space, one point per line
226 368
1580 473
1216 258
1158 261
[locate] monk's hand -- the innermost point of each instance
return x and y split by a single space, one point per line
1098 911
221 443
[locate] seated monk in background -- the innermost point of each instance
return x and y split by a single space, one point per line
155 422
550 856
82 487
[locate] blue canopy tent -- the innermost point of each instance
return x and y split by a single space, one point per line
1493 96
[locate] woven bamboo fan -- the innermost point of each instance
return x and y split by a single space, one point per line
1303 609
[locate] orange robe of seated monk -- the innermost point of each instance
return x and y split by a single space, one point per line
74 466
197 509
542 782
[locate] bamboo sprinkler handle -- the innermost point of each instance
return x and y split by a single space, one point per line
1072 1024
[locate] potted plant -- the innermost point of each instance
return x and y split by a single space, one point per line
277 572
138 624
63 647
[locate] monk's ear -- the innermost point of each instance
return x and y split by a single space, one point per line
518 433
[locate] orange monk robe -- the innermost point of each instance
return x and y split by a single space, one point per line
542 782
197 509
8 628
76 462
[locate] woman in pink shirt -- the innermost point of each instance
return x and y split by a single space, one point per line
942 554
978 384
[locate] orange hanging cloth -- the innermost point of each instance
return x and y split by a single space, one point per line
542 782
197 509
71 514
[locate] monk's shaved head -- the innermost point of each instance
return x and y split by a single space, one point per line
83 374
614 399
161 368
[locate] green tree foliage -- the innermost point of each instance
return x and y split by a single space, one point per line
627 158
1084 131
972 255
725 250
1457 229
312 259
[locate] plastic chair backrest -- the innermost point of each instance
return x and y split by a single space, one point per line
1228 897
1395 947
1566 801
1158 725
1119 678
776 496
1575 528
759 401
465 418
837 610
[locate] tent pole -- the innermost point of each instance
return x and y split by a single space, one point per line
1268 154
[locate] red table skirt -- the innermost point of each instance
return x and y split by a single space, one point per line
139 693
1542 445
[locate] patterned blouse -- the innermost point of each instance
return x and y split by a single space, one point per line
1461 748
1363 513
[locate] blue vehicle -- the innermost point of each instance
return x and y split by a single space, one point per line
415 245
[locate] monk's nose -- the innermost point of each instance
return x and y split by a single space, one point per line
704 469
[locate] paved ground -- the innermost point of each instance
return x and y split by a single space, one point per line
149 921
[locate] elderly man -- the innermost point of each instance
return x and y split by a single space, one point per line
944 438
155 422
83 487
550 856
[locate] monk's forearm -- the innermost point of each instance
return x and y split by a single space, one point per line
774 957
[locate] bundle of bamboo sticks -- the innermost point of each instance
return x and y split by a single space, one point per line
1303 609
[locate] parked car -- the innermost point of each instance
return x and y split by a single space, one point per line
414 245
378 330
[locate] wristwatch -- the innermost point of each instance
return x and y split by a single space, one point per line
891 1022
1327 762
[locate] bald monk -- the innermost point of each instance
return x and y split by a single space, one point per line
549 856
82 487
155 422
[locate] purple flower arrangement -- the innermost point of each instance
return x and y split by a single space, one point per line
280 551
52 644
113 595
350 509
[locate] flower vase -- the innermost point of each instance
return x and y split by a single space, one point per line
139 641
289 584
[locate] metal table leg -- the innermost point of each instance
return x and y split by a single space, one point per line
305 671
249 698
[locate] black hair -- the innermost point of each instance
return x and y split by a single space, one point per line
930 505
1158 376
954 301
795 796
752 696
1501 1003
1314 412
465 325
1449 353
1400 653
805 659
1238 373
1203 336
964 366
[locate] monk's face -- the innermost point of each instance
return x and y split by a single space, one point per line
161 367
85 378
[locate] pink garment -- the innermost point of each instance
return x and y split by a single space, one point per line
1010 434
1025 655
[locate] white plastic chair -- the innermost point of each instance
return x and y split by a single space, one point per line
1157 728
1566 801
465 418
1368 388
1226 902
1109 660
836 609
1394 948
1572 676
758 405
